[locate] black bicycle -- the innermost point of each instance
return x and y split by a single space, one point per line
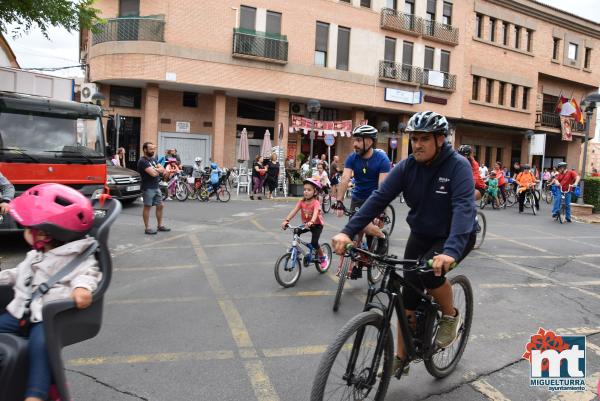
365 345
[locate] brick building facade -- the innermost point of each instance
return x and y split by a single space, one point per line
208 69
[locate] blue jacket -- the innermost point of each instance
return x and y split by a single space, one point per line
440 197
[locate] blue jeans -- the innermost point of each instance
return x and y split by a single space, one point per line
38 382
556 206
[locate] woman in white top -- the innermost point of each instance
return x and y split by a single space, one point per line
322 176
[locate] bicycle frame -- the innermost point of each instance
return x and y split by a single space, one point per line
299 247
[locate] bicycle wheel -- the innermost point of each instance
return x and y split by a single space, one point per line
511 198
481 229
287 271
326 203
181 192
374 274
223 194
483 201
562 213
549 196
326 248
444 361
345 264
203 195
192 193
390 219
532 203
332 379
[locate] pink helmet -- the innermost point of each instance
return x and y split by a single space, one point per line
172 160
62 212
315 183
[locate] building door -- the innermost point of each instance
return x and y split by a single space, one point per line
189 146
128 138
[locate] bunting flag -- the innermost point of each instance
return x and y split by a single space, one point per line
561 100
343 127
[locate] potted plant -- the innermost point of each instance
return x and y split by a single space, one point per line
296 187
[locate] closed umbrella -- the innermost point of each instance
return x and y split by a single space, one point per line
243 154
265 149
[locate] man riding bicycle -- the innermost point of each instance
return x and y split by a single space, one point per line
564 179
480 186
438 188
369 167
526 182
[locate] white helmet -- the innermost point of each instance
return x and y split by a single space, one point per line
198 160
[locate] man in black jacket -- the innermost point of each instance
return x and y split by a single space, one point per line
437 184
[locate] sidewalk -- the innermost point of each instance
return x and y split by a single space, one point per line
590 219
243 196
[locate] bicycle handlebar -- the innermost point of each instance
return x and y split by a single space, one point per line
420 264
340 206
300 226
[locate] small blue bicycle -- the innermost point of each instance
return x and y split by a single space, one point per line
301 253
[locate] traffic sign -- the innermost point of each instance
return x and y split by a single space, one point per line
393 143
329 140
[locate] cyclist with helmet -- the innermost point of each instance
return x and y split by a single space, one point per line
437 184
56 219
526 181
564 178
312 216
368 167
215 174
197 169
480 186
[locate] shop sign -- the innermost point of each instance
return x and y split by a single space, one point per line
434 99
182 126
402 96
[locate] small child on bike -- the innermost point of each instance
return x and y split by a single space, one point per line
215 175
172 168
312 216
492 187
56 219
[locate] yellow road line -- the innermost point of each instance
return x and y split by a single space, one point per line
488 390
157 268
238 244
540 285
263 389
156 300
589 395
595 266
516 266
518 243
236 324
150 244
586 292
150 358
593 347
294 351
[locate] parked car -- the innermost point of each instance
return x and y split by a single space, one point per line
124 184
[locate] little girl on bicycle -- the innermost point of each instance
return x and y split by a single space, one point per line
312 216
56 219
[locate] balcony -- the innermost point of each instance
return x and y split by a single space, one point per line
263 46
399 22
438 80
440 32
397 72
151 28
552 120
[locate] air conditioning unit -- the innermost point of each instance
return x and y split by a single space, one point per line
298 108
87 91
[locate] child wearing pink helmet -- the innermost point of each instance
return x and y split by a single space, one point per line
312 216
56 219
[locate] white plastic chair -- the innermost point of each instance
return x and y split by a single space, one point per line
244 180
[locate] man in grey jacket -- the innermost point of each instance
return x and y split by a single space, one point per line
7 193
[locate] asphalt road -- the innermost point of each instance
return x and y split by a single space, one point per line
196 314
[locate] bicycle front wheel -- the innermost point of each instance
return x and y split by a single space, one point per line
562 213
326 248
345 264
481 229
390 219
443 361
287 270
532 203
326 204
223 195
345 367
181 192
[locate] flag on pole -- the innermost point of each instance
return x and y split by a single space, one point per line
578 116
568 110
561 100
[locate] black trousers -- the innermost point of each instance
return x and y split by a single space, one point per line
522 200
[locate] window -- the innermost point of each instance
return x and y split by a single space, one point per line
549 103
190 99
475 90
247 17
258 109
431 6
445 61
391 4
572 54
129 8
513 95
505 33
478 27
499 155
588 58
517 36
501 93
429 51
489 89
122 96
390 49
488 156
407 53
492 29
525 98
321 44
365 3
346 1
528 38
555 48
273 22
409 7
447 14
343 48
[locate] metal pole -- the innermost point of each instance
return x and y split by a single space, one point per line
312 135
329 158
589 114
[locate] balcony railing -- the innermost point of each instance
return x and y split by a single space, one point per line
552 120
440 32
260 45
439 79
400 22
390 71
150 28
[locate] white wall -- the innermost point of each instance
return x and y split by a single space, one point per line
4 60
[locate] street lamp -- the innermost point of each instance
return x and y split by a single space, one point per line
529 134
588 105
313 106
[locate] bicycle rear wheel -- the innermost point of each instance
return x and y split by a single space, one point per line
444 361
481 229
326 204
483 201
287 271
181 191
326 248
532 203
511 198
223 194
390 220
358 337
562 213
345 264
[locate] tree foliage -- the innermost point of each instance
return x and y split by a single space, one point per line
22 15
